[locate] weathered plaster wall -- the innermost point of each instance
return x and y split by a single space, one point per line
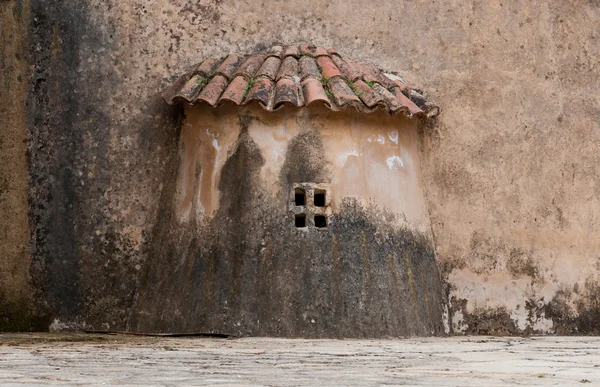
510 167
371 158
227 257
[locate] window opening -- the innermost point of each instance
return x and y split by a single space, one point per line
300 220
319 198
320 221
300 197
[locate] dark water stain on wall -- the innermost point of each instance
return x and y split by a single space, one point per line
586 320
305 161
53 152
572 312
250 271
83 264
17 309
492 321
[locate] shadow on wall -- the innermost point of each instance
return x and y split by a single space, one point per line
250 271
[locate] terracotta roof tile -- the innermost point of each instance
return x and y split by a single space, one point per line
297 75
288 68
235 91
228 66
328 68
371 74
341 92
211 92
286 91
398 81
367 94
307 49
207 67
276 51
291 51
309 68
269 68
173 92
190 90
313 91
345 68
262 91
251 65
390 100
411 106
321 51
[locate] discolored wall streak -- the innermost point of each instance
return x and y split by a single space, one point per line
509 168
228 257
83 253
17 310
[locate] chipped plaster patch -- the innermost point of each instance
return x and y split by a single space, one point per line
500 290
380 139
343 156
458 322
395 162
543 324
62 326
446 319
215 144
519 317
393 135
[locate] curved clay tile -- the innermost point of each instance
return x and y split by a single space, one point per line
321 51
328 68
286 91
228 66
367 94
313 91
235 91
291 51
170 95
371 74
250 65
288 69
261 91
276 51
307 49
207 67
269 68
191 89
342 93
299 75
345 68
309 68
410 105
211 92
391 103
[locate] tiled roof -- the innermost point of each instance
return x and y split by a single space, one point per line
298 75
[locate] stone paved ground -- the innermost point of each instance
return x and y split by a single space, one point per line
91 360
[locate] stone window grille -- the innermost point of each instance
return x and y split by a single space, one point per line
310 205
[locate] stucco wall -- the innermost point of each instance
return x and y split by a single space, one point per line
371 158
510 166
227 256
